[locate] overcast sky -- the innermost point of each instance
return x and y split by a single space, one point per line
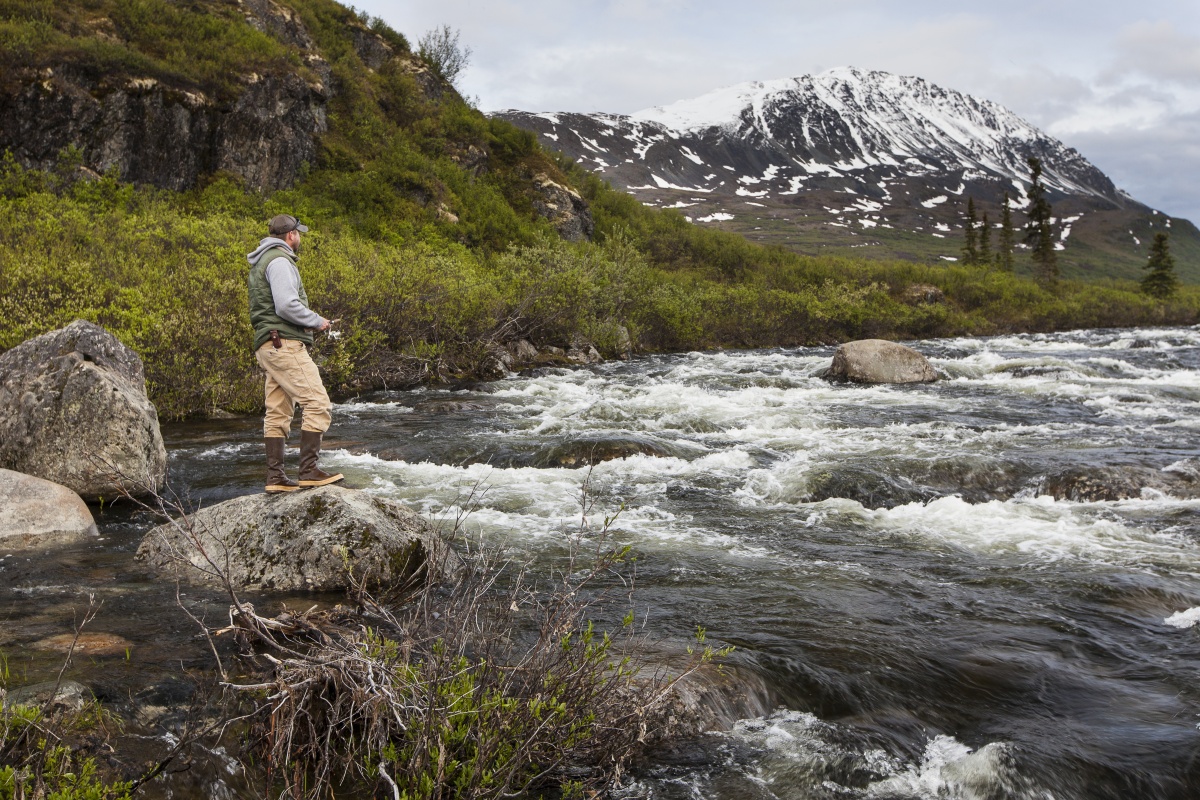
1118 81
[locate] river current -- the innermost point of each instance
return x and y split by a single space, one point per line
919 618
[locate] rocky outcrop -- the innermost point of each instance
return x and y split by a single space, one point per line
921 294
879 361
279 22
38 513
153 133
313 540
73 410
564 207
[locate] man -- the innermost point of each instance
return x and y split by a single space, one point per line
283 331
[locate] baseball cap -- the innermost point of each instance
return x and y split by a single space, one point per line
283 223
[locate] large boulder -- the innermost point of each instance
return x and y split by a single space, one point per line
880 361
73 410
36 513
312 540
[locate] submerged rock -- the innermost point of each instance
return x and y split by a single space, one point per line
73 410
586 451
38 513
1125 482
879 361
86 643
317 540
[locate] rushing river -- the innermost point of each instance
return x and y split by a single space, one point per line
924 621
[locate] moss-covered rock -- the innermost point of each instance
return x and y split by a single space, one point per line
317 540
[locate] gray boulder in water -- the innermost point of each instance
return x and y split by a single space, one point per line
37 513
74 410
310 540
879 361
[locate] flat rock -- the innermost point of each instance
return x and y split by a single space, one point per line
39 513
310 540
880 361
88 643
74 410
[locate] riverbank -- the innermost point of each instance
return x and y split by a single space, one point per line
165 272
908 571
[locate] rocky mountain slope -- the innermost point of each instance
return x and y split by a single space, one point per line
848 159
171 94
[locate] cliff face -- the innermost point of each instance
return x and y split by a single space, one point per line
163 135
167 131
165 93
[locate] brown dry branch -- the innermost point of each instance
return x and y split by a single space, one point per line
490 685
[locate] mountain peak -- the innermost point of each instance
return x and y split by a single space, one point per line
865 151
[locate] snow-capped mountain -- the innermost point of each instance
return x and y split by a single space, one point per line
863 151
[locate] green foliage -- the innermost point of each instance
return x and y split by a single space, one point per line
208 46
1039 233
1004 257
1161 282
39 759
441 49
970 251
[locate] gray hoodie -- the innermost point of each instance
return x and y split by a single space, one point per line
285 285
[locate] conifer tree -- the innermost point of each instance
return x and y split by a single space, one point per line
1004 258
1039 233
1161 282
985 242
970 253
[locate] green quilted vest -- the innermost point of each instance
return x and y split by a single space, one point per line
262 303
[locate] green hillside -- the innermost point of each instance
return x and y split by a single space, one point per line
438 234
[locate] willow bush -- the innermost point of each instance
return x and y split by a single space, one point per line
165 272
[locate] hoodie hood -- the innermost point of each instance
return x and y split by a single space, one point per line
265 245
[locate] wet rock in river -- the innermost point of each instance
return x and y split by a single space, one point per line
73 410
586 451
879 361
1098 484
307 540
870 488
39 513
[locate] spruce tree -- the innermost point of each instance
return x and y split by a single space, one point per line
970 253
985 242
1161 282
1039 233
1004 259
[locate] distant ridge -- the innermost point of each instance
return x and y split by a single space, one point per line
851 158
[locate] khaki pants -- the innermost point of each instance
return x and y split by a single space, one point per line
292 379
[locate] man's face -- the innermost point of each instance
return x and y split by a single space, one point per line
293 241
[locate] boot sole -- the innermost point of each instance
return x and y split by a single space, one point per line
324 482
280 489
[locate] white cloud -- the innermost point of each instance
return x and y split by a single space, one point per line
1120 84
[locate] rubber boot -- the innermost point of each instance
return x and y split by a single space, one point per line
310 473
277 479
